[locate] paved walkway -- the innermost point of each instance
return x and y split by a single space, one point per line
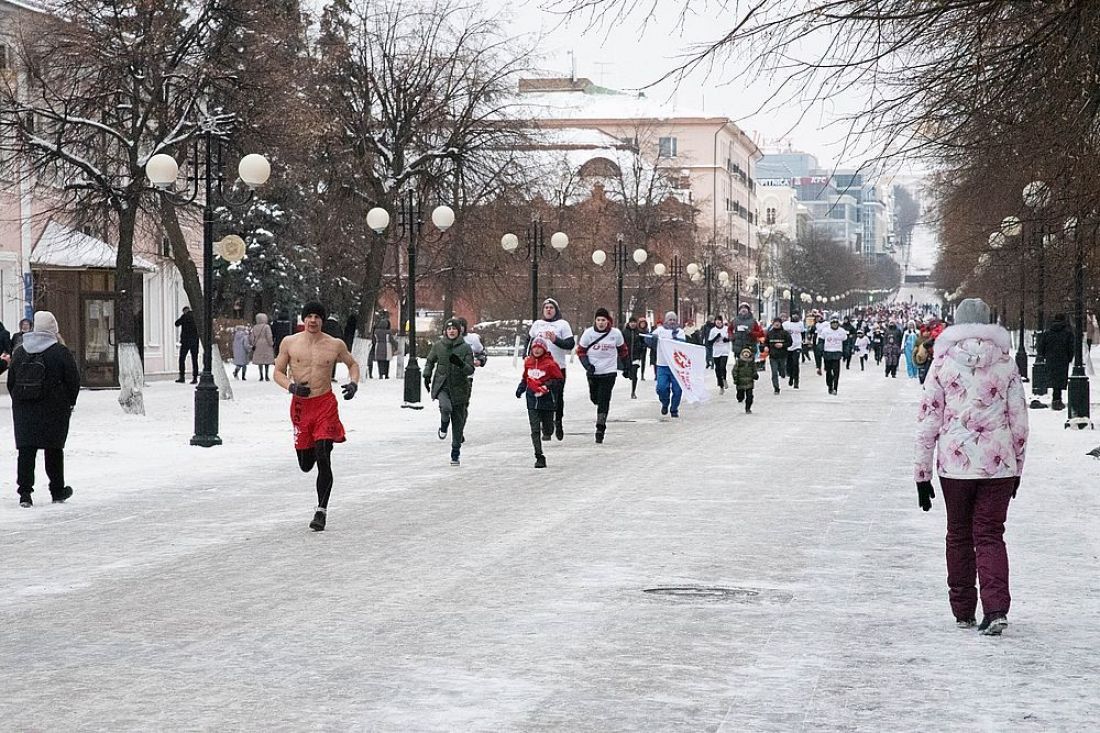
494 597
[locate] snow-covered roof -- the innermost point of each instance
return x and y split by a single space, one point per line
60 246
34 7
603 106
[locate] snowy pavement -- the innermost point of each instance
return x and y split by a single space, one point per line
180 588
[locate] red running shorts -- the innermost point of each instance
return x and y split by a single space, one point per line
315 418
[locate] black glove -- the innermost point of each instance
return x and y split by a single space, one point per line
427 383
456 360
349 390
925 494
520 390
1015 485
299 390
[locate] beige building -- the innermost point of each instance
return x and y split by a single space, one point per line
710 159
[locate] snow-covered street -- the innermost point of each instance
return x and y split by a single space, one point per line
180 588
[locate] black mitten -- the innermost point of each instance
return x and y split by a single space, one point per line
925 494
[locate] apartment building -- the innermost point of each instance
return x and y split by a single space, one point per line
711 159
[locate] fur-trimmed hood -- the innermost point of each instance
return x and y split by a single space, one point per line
974 345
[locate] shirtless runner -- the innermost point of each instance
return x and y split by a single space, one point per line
311 356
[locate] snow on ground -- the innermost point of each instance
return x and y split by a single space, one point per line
180 588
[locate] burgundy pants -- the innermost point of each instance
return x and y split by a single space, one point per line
976 511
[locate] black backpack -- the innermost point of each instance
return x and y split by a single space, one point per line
30 379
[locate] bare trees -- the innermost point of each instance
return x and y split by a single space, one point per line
405 88
90 106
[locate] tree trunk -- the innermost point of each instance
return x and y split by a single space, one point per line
192 286
131 373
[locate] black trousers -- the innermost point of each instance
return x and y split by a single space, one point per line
384 369
745 395
193 350
558 389
542 421
720 369
600 387
832 372
55 469
892 371
794 363
455 414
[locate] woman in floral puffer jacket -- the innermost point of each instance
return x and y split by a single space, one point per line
974 416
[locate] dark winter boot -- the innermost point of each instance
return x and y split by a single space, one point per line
454 457
993 624
318 523
25 499
601 426
1057 405
65 492
966 623
540 461
181 380
559 431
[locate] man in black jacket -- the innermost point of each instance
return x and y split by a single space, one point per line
779 343
189 344
1056 345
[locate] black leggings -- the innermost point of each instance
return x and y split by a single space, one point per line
832 373
793 365
558 388
745 395
720 369
319 455
542 423
55 469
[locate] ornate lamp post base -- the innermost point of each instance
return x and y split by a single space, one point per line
412 386
206 412
1079 400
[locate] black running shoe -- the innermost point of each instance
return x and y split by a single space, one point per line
25 501
318 523
664 409
540 461
65 493
993 624
559 432
442 432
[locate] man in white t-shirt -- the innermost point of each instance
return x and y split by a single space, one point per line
601 349
833 337
797 329
558 335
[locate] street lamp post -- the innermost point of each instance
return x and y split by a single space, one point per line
410 220
1036 197
162 171
1079 411
620 253
1011 227
536 249
788 295
753 284
675 270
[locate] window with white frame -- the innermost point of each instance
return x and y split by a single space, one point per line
666 147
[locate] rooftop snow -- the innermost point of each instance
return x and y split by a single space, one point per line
60 246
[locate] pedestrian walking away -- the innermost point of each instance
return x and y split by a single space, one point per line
1057 345
669 391
447 372
303 368
280 329
745 375
263 347
189 344
43 383
540 371
601 350
832 339
779 343
908 345
973 419
558 335
720 350
242 351
795 353
383 346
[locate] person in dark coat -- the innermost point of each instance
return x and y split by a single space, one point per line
1057 346
43 382
280 329
383 347
636 349
189 344
5 341
331 327
447 369
25 326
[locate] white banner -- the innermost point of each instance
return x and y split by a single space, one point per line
688 363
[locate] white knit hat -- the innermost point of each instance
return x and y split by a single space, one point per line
45 322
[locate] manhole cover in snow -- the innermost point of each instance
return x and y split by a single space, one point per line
705 592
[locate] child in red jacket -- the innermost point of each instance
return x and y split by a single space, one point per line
539 372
